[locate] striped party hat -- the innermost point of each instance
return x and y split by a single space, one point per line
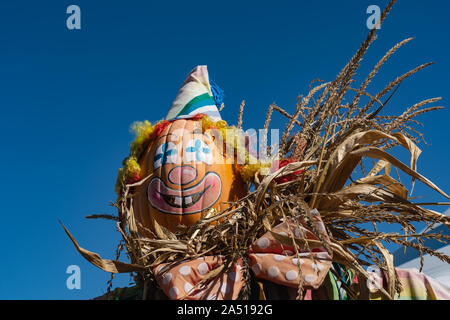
197 95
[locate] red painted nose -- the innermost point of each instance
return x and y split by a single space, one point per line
182 175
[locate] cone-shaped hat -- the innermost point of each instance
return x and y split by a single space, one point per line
197 95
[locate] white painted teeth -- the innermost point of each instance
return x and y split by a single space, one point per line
182 202
188 200
177 201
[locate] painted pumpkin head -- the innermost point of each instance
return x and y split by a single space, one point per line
189 176
186 169
185 161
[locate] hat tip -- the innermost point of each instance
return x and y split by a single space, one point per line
197 95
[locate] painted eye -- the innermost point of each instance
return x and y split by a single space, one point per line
166 153
197 150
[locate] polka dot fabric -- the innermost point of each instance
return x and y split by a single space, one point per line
375 280
181 281
268 259
272 261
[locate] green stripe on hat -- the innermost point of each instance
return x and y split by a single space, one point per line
198 102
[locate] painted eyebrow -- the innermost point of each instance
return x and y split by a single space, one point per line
198 131
164 136
207 136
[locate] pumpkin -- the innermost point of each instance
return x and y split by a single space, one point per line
189 176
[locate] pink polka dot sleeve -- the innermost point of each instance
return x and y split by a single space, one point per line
272 261
183 281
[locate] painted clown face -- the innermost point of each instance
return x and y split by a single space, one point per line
190 177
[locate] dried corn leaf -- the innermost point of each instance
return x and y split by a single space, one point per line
379 154
391 273
393 185
104 264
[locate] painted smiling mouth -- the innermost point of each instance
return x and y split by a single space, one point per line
184 201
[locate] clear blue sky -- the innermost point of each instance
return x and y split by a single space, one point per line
68 97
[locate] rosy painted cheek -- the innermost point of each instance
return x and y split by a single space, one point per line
214 185
213 191
157 199
155 195
212 182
